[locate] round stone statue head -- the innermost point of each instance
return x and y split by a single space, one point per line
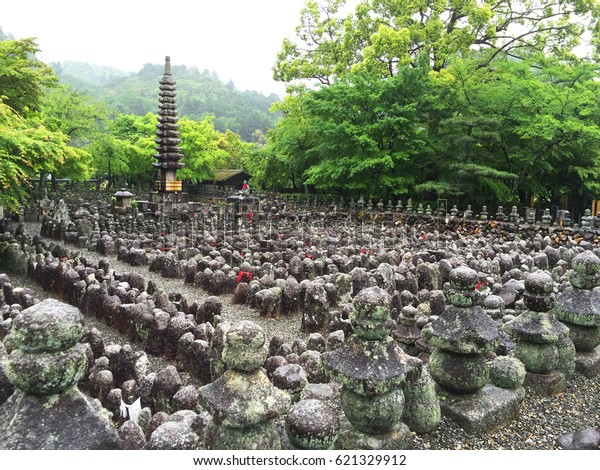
371 314
463 284
585 266
245 348
47 358
538 291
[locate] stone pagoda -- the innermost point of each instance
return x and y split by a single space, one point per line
543 343
578 307
243 402
463 338
168 153
371 367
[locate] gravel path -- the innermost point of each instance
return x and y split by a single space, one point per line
541 420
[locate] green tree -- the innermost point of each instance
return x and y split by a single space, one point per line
285 158
202 149
516 132
384 35
26 149
123 152
360 134
79 117
23 78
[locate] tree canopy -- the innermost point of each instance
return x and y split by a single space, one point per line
383 35
509 133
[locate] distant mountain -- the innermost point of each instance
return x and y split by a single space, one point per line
199 94
76 73
4 35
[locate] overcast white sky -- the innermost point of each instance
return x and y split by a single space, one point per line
237 39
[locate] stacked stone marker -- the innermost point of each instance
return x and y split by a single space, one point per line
578 307
371 367
543 343
48 411
462 337
243 402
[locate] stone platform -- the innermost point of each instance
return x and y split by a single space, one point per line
67 421
484 410
349 438
588 363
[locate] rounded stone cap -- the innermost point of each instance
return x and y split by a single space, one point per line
48 326
290 377
463 278
312 424
371 313
493 302
245 335
586 263
539 282
463 284
244 347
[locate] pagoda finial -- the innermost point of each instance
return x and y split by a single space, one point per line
167 65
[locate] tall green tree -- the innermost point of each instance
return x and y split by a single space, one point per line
516 132
123 151
202 149
383 35
81 118
359 134
29 145
26 149
23 77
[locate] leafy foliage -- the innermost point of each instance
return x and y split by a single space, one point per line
23 78
27 148
383 35
513 132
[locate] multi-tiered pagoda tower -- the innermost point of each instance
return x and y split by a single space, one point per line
167 135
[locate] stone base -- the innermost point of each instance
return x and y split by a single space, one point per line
548 384
484 410
350 438
263 436
67 421
588 363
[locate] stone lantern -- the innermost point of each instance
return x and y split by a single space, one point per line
123 200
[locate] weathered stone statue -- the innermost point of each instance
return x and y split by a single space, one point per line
371 367
243 402
47 410
541 339
578 307
462 337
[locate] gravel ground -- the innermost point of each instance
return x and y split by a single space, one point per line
541 420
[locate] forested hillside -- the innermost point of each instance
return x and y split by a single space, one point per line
199 95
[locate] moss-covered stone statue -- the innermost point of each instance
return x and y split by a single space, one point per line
461 336
371 366
47 411
464 337
243 402
543 343
578 307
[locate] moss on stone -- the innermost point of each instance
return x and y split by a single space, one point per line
47 373
537 357
458 373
